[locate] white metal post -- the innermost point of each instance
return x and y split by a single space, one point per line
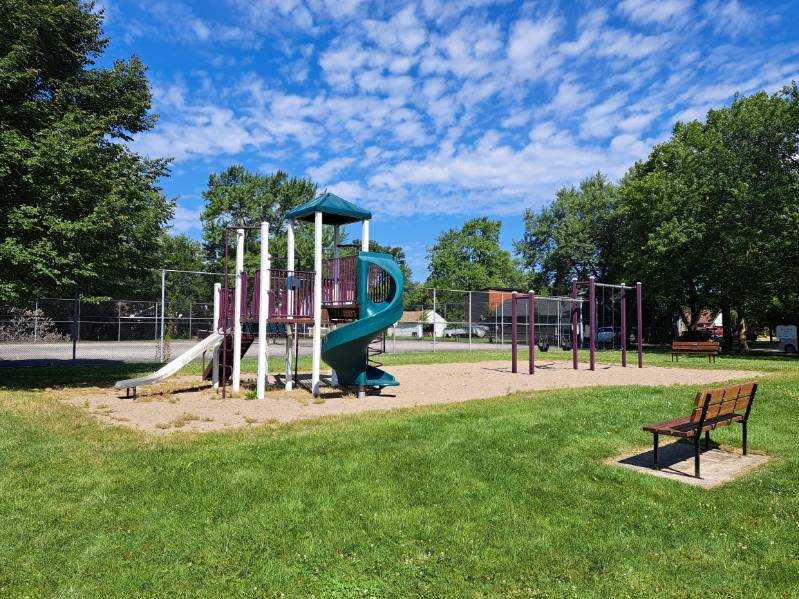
263 310
316 359
365 236
236 385
162 351
290 298
434 319
215 329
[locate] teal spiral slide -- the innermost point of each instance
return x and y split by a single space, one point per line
346 348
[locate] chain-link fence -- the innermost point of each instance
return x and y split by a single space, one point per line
61 329
162 329
451 319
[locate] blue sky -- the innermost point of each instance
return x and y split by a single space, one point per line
433 112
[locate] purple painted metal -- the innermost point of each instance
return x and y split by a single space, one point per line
531 332
592 324
339 281
513 332
575 324
640 331
256 295
302 283
244 296
623 298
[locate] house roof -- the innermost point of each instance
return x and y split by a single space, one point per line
412 316
336 211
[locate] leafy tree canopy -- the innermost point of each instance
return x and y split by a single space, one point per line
78 209
710 218
238 196
471 258
571 238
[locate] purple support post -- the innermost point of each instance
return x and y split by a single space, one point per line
575 323
640 331
513 336
243 277
256 294
531 331
592 324
623 298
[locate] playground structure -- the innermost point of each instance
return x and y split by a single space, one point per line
355 297
576 325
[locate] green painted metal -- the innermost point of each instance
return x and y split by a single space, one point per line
335 211
346 348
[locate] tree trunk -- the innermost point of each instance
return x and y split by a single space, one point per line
742 335
726 318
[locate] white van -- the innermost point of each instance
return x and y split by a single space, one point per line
787 336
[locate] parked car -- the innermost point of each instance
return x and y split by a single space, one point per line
477 331
605 336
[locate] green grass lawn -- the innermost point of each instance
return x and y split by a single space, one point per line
498 497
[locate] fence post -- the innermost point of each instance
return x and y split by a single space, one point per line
513 334
470 321
75 324
35 321
163 310
190 307
434 319
531 331
502 317
119 323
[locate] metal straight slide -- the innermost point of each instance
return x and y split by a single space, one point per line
209 343
346 348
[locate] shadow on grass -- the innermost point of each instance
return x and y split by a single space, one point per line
69 374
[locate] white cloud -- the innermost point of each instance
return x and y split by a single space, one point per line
322 174
186 219
729 17
529 48
655 11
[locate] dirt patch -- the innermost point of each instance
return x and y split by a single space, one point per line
187 404
718 465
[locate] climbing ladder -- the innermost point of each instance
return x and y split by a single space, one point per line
226 357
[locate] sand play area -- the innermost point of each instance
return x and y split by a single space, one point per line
188 404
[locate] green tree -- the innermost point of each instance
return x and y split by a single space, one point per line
470 258
710 218
573 237
237 196
184 290
79 209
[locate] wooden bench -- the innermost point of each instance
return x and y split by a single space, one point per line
713 408
695 348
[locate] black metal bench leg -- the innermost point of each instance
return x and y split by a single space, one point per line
655 450
696 456
707 439
744 436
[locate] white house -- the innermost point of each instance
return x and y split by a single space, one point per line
417 323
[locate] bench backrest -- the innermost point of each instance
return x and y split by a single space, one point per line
696 345
713 403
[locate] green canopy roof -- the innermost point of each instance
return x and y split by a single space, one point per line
336 211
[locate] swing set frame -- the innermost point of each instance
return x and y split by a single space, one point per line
576 301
